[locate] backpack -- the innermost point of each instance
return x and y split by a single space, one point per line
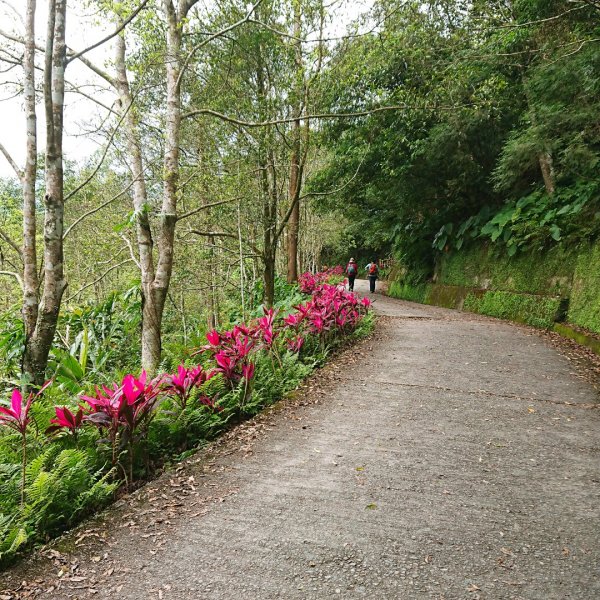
373 269
351 269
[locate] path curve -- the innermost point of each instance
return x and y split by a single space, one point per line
450 456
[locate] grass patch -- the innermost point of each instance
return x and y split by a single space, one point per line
538 311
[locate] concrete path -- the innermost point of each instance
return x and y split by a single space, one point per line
450 456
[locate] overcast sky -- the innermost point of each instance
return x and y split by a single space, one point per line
81 114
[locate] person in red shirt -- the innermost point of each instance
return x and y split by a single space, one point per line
351 272
372 273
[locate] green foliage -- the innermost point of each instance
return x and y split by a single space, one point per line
584 308
480 266
12 344
286 296
407 291
533 222
538 311
62 485
520 90
98 338
92 341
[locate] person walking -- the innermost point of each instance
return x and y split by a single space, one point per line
351 272
372 273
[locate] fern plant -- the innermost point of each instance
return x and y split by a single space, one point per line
61 485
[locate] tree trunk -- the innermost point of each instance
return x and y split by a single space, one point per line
40 342
547 168
29 250
294 196
213 308
295 170
269 279
151 323
545 157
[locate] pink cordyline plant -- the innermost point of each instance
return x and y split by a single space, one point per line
182 384
17 418
125 411
309 282
266 327
295 344
332 310
67 420
232 350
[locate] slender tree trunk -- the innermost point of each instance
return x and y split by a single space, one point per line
29 251
269 279
213 320
151 324
295 170
156 273
544 157
547 169
268 189
40 342
242 264
269 253
294 198
156 294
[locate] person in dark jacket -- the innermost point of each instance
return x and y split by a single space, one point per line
372 273
351 272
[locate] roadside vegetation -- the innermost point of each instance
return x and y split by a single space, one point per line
68 449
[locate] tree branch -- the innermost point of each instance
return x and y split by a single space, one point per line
101 161
89 213
131 252
205 206
11 243
212 233
339 189
111 35
214 36
362 113
15 275
538 21
223 234
85 287
11 162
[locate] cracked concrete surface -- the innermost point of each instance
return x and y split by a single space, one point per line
449 456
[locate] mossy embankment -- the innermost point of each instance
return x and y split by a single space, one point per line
536 288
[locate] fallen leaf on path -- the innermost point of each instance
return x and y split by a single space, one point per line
371 506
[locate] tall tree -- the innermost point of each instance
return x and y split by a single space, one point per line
41 309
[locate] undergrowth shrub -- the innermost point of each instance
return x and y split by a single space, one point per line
70 447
